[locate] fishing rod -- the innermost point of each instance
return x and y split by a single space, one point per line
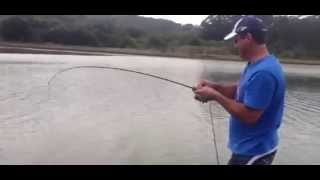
150 75
120 69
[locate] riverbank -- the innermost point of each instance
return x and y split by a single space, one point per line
31 48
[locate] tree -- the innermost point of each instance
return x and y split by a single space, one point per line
16 29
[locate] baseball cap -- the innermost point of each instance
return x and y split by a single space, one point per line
250 24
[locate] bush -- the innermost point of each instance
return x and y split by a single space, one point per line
156 42
129 42
71 37
195 41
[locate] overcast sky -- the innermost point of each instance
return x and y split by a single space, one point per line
184 19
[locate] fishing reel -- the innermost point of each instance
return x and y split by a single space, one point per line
199 98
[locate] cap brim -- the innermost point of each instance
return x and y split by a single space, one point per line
230 35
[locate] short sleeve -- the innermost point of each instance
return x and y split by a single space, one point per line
260 90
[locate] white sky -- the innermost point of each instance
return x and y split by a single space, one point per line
185 19
182 19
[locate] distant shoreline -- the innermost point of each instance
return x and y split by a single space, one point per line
32 48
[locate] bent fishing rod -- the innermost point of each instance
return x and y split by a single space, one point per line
150 75
120 69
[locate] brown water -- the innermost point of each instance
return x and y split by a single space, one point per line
95 116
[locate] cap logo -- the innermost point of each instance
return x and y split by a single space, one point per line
241 28
260 20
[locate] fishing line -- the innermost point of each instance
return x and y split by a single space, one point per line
146 74
214 134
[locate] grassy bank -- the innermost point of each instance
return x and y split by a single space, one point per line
210 53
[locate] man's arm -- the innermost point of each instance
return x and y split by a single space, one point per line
257 96
239 110
227 90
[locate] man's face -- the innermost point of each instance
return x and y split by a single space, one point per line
243 44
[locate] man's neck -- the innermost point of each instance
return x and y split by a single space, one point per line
258 53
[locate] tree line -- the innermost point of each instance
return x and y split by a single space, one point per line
289 36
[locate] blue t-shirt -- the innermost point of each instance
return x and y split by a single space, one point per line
261 87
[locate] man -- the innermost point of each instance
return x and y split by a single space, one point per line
256 102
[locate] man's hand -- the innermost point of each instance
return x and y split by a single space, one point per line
200 85
203 83
197 97
207 93
226 89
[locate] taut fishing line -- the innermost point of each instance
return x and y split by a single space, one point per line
146 74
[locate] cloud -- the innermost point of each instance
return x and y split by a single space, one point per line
182 19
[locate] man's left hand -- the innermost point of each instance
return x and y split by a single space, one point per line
207 93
